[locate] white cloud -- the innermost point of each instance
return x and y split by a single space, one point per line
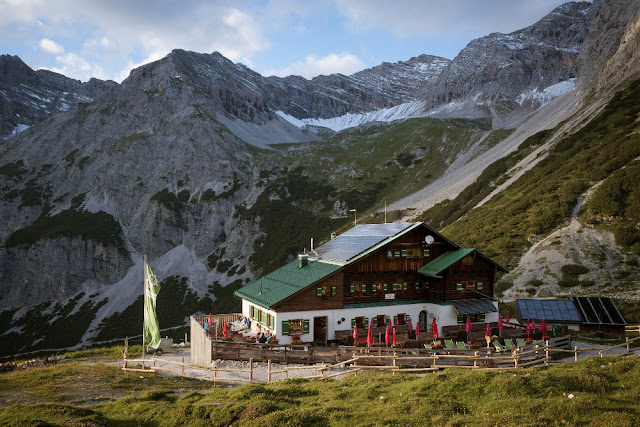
50 46
343 63
408 18
74 66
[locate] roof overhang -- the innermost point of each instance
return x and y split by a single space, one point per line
474 306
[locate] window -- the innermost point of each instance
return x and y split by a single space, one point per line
259 317
414 253
400 287
467 263
374 288
357 288
469 286
425 252
326 291
422 286
381 320
389 254
252 312
474 318
360 322
404 253
381 287
402 320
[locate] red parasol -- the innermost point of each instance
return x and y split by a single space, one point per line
224 329
533 324
468 328
386 336
488 331
417 329
500 325
410 325
397 323
369 338
434 328
508 320
528 327
543 327
355 333
394 337
210 321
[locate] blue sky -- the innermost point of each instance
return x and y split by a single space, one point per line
106 39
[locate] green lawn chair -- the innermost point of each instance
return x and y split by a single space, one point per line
449 345
497 346
521 342
508 342
461 345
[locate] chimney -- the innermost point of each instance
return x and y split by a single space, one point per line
303 260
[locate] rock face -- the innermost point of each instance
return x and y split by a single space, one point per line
494 76
161 164
28 97
610 53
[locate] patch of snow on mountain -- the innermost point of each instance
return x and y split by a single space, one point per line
17 130
548 93
399 112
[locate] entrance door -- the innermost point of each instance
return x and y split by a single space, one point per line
320 329
423 320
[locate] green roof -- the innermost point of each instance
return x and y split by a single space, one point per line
444 261
284 282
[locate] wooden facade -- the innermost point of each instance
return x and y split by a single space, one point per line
389 273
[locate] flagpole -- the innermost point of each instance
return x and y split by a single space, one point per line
144 309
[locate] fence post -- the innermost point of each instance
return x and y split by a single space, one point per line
546 355
517 358
268 371
575 349
628 345
475 359
182 365
251 369
394 359
355 361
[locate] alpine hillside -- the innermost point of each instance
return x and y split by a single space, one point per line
220 174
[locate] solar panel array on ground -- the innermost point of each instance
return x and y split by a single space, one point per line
358 239
549 310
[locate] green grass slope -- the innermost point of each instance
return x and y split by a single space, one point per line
605 392
607 148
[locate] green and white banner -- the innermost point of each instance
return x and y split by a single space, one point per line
151 326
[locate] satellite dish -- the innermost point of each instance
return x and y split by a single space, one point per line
429 239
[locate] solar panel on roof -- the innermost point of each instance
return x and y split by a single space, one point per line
550 310
357 240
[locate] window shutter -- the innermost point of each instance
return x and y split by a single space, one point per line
397 254
352 288
387 319
319 291
458 286
353 323
479 286
407 318
272 323
482 318
366 322
426 285
252 311
285 327
404 253
363 288
425 253
334 290
460 318
305 326
405 287
374 288
384 286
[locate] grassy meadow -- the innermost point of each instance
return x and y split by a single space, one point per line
87 390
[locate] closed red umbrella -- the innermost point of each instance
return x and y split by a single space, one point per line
224 329
543 327
394 342
500 325
528 327
210 321
468 328
369 338
417 329
508 319
410 325
397 322
488 331
355 333
533 324
386 336
434 328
